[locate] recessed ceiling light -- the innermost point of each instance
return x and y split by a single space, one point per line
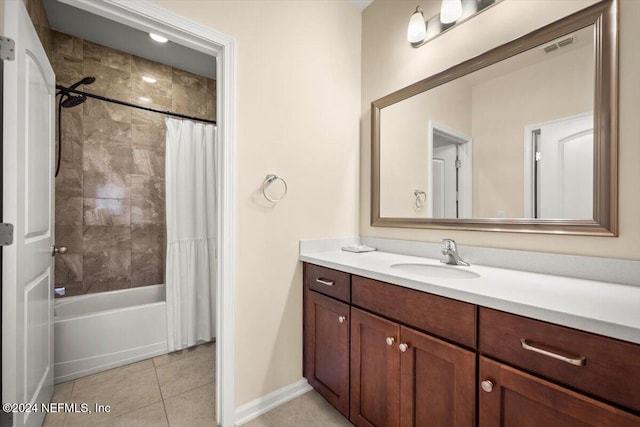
149 79
144 99
158 38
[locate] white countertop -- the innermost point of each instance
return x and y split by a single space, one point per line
603 308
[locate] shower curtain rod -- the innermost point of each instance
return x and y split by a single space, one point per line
128 104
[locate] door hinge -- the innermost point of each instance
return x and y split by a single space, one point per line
458 164
538 156
6 234
7 49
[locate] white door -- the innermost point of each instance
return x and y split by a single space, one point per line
565 169
445 181
438 190
27 265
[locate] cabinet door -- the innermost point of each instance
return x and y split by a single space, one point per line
326 350
437 384
375 370
514 398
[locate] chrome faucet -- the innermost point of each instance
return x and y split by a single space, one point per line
450 252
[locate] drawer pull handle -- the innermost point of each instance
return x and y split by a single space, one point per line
403 347
390 340
325 282
577 361
341 319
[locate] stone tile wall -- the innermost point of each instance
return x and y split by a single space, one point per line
38 15
110 193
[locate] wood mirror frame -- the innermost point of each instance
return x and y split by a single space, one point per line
603 16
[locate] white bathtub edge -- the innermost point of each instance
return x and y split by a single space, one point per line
71 317
71 370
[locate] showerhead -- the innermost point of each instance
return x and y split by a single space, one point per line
73 101
84 81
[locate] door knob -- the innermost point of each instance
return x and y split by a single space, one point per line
390 340
341 319
61 250
403 347
487 385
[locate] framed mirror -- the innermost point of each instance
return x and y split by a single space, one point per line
521 138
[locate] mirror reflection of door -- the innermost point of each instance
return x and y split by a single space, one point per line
563 168
445 180
450 173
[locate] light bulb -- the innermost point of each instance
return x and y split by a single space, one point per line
158 38
450 11
417 30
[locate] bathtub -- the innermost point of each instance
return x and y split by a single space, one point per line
105 330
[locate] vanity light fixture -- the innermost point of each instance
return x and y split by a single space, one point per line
452 13
158 38
417 30
149 79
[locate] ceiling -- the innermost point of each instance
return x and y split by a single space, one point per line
79 23
360 4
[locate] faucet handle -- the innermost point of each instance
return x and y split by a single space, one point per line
449 244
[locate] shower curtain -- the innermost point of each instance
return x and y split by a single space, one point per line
191 232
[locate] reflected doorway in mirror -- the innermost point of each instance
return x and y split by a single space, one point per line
451 183
558 172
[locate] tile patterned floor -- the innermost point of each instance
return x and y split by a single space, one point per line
174 390
308 410
171 390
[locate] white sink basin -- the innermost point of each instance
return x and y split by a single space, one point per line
429 270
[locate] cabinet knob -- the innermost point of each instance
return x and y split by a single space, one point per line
341 319
487 385
403 347
390 340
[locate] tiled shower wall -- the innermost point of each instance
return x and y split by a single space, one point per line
38 15
110 193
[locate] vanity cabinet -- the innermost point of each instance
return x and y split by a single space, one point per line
437 382
592 365
600 366
511 397
326 335
375 370
401 357
402 377
387 371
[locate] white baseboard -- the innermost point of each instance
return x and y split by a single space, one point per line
251 410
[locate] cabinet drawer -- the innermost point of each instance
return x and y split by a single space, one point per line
604 367
444 317
336 284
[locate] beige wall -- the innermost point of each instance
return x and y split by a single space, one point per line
404 147
557 87
389 63
298 97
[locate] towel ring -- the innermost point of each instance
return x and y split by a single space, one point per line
268 181
421 198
